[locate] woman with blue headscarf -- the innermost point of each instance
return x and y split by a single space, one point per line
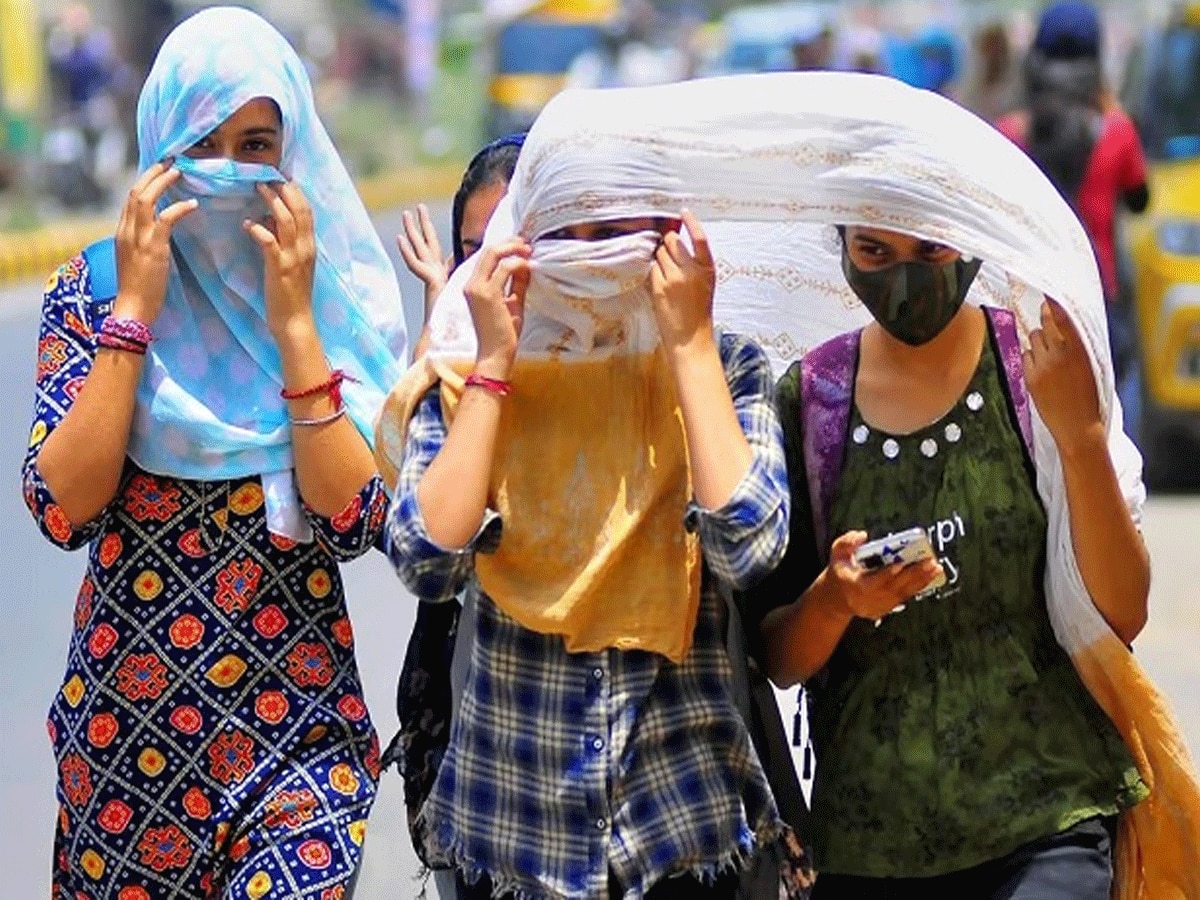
205 396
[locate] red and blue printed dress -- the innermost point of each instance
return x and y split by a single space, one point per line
211 735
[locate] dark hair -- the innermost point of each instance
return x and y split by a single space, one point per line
1065 117
493 163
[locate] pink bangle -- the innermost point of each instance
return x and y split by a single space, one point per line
112 342
492 385
127 330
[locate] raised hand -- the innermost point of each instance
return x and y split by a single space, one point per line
143 244
682 285
495 294
1061 382
289 246
422 253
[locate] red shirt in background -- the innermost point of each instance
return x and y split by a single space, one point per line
1117 165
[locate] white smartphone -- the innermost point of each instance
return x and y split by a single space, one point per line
907 547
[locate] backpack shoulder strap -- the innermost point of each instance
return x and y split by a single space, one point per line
826 392
101 259
1008 343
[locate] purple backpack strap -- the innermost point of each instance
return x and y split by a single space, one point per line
826 391
1004 327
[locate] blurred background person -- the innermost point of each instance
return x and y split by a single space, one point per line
813 49
1077 133
993 86
85 151
938 59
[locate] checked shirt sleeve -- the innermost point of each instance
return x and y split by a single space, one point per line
746 538
65 351
432 573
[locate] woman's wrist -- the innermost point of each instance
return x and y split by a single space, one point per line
128 305
829 601
297 335
1082 443
432 290
495 366
699 349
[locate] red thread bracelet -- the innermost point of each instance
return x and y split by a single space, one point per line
492 385
332 387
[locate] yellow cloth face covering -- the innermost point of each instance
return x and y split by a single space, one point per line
591 481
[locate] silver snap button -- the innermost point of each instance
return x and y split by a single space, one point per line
861 433
597 673
891 449
601 824
929 448
598 744
974 401
953 433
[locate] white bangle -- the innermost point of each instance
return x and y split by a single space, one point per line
324 420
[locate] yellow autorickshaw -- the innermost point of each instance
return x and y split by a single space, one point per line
1163 248
533 46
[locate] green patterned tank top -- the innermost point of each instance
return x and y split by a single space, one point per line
957 730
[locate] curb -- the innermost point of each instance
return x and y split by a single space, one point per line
35 254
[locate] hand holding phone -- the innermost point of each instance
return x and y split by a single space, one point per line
904 547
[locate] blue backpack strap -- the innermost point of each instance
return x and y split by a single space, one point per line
101 258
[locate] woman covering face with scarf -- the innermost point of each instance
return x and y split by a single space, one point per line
593 464
202 424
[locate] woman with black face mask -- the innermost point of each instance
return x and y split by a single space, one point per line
958 751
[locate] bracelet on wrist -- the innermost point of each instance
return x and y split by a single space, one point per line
323 420
129 345
495 386
332 386
133 330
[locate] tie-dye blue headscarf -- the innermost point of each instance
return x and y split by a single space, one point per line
208 405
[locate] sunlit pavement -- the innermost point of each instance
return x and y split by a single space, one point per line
40 584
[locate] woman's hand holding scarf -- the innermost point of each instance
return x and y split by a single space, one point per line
1062 384
289 247
143 244
682 284
495 296
1112 557
83 458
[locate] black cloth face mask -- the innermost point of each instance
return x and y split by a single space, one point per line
913 301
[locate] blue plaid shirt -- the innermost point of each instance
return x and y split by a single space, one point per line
564 766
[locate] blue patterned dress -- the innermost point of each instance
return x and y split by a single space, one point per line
210 735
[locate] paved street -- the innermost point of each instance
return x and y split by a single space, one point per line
36 612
